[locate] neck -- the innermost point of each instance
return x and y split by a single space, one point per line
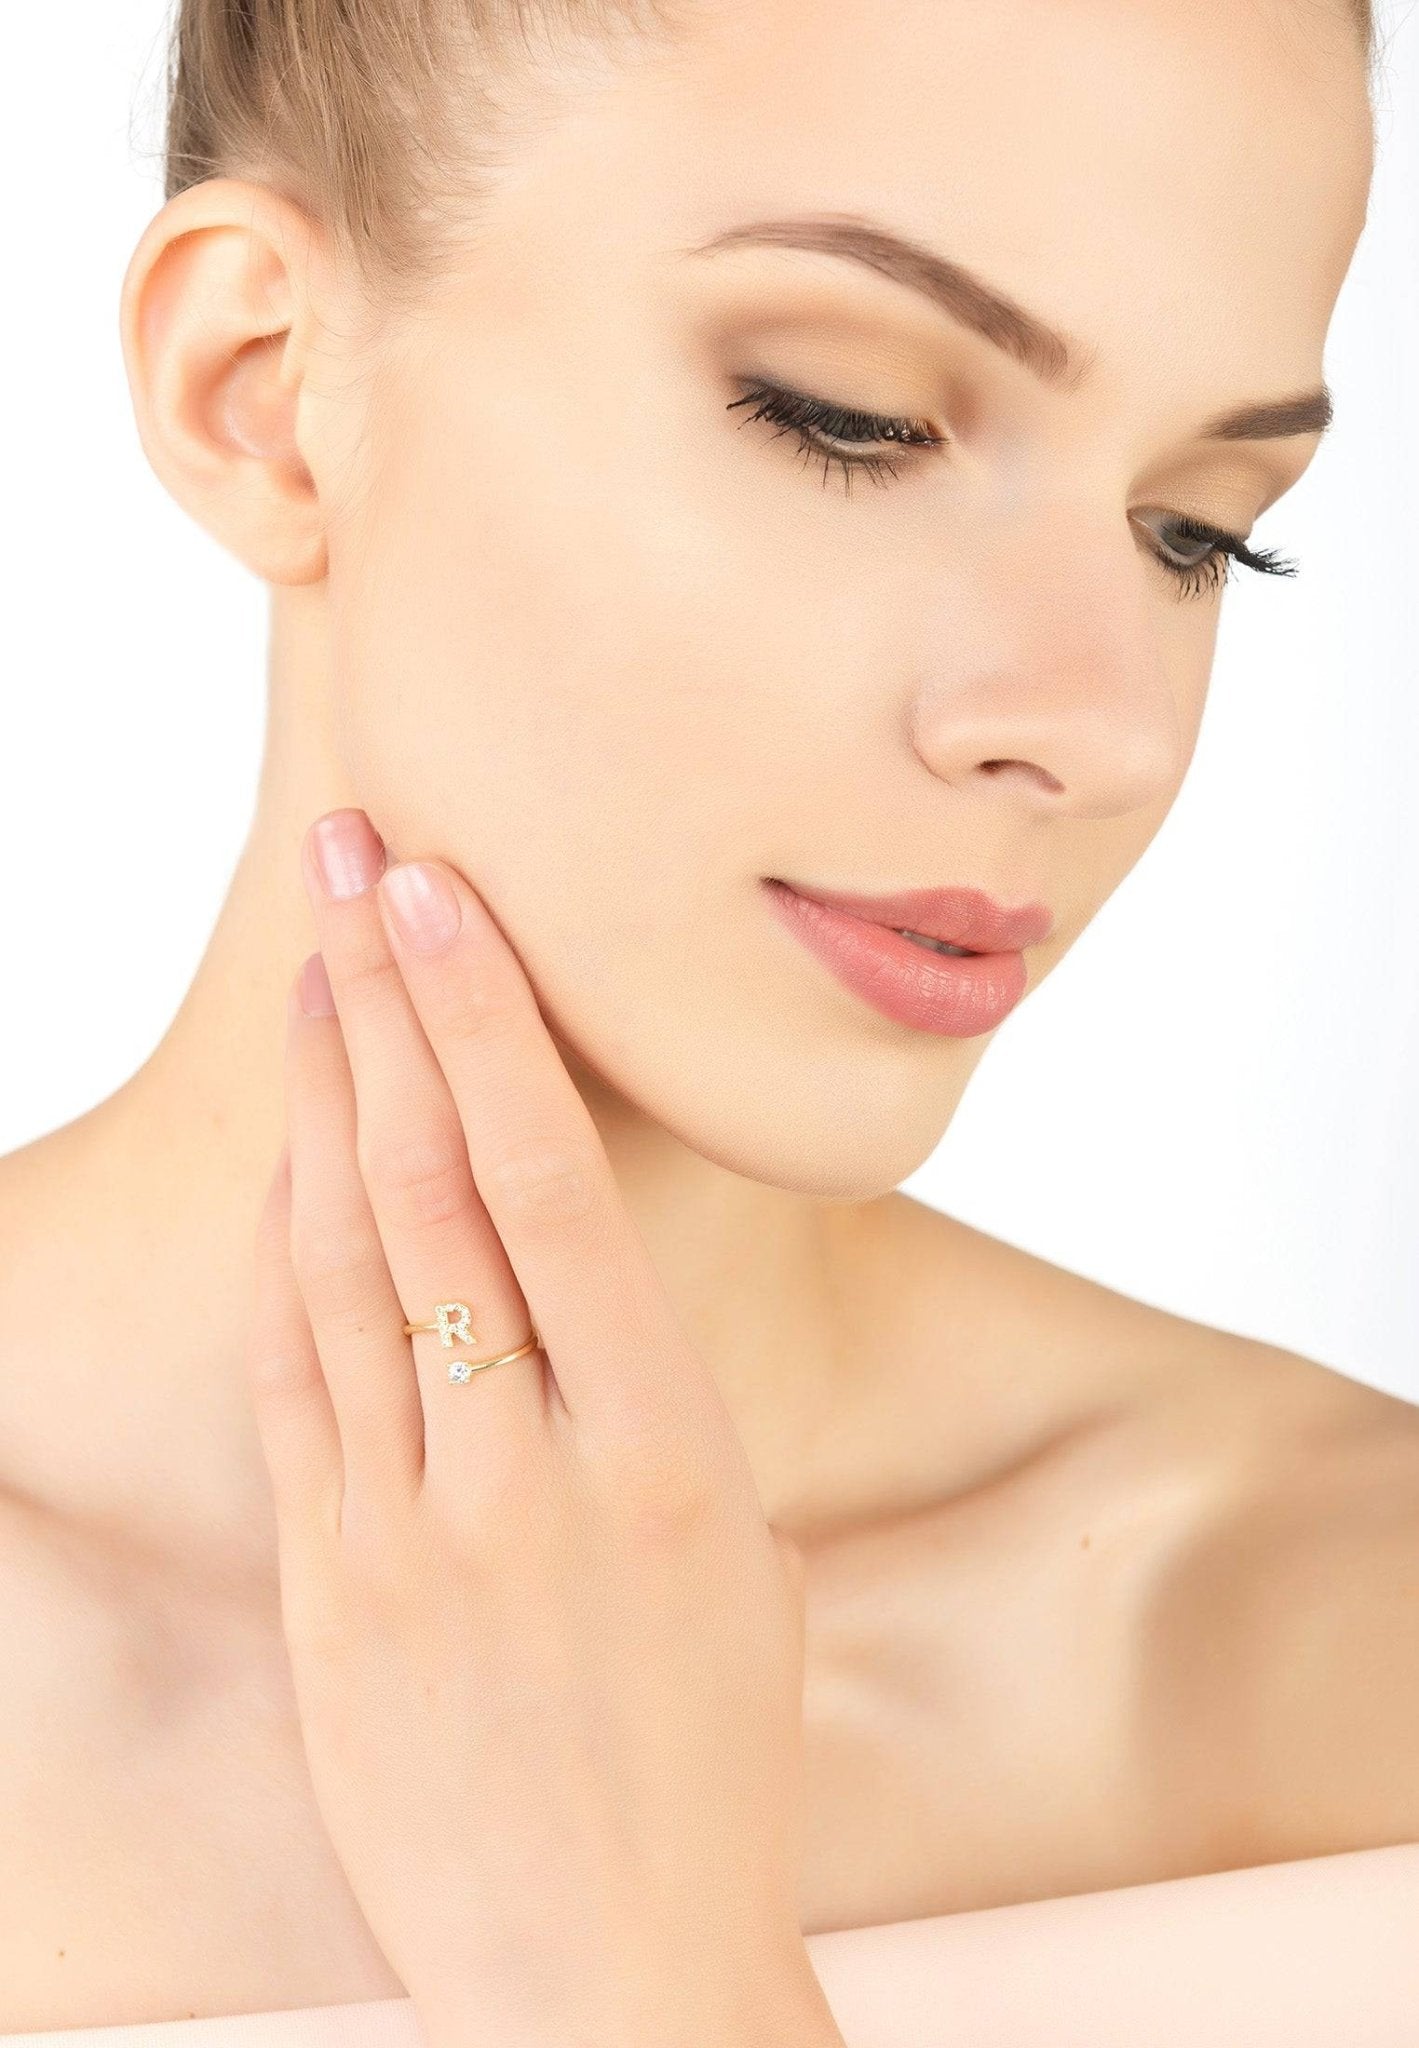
135 1226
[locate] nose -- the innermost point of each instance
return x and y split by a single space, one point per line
1055 686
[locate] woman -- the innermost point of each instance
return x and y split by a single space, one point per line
810 1566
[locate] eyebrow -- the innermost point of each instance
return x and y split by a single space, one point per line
1054 357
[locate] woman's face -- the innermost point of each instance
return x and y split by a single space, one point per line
621 651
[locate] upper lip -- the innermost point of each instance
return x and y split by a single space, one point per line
959 916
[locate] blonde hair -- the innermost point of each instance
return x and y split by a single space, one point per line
386 119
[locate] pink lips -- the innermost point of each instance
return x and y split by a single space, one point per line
962 917
957 998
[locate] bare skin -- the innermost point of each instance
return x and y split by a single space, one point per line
1068 1554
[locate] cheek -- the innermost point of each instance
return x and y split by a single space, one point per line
562 671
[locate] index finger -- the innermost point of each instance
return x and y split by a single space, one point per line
608 1328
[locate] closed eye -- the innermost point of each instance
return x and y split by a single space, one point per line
837 433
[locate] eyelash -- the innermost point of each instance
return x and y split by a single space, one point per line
809 417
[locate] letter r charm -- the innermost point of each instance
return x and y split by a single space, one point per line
453 1322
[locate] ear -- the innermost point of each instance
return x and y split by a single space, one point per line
219 315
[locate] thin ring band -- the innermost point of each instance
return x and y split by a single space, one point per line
461 1369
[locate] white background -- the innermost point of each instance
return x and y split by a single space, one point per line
1211 1104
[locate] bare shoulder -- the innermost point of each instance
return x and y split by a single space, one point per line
1282 1687
1255 1513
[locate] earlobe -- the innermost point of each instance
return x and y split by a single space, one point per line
212 322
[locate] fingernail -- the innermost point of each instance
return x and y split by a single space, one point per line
347 851
314 985
424 907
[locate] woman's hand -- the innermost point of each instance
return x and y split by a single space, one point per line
547 1652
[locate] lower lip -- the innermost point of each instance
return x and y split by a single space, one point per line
942 992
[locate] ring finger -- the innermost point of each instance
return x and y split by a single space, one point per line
440 1242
